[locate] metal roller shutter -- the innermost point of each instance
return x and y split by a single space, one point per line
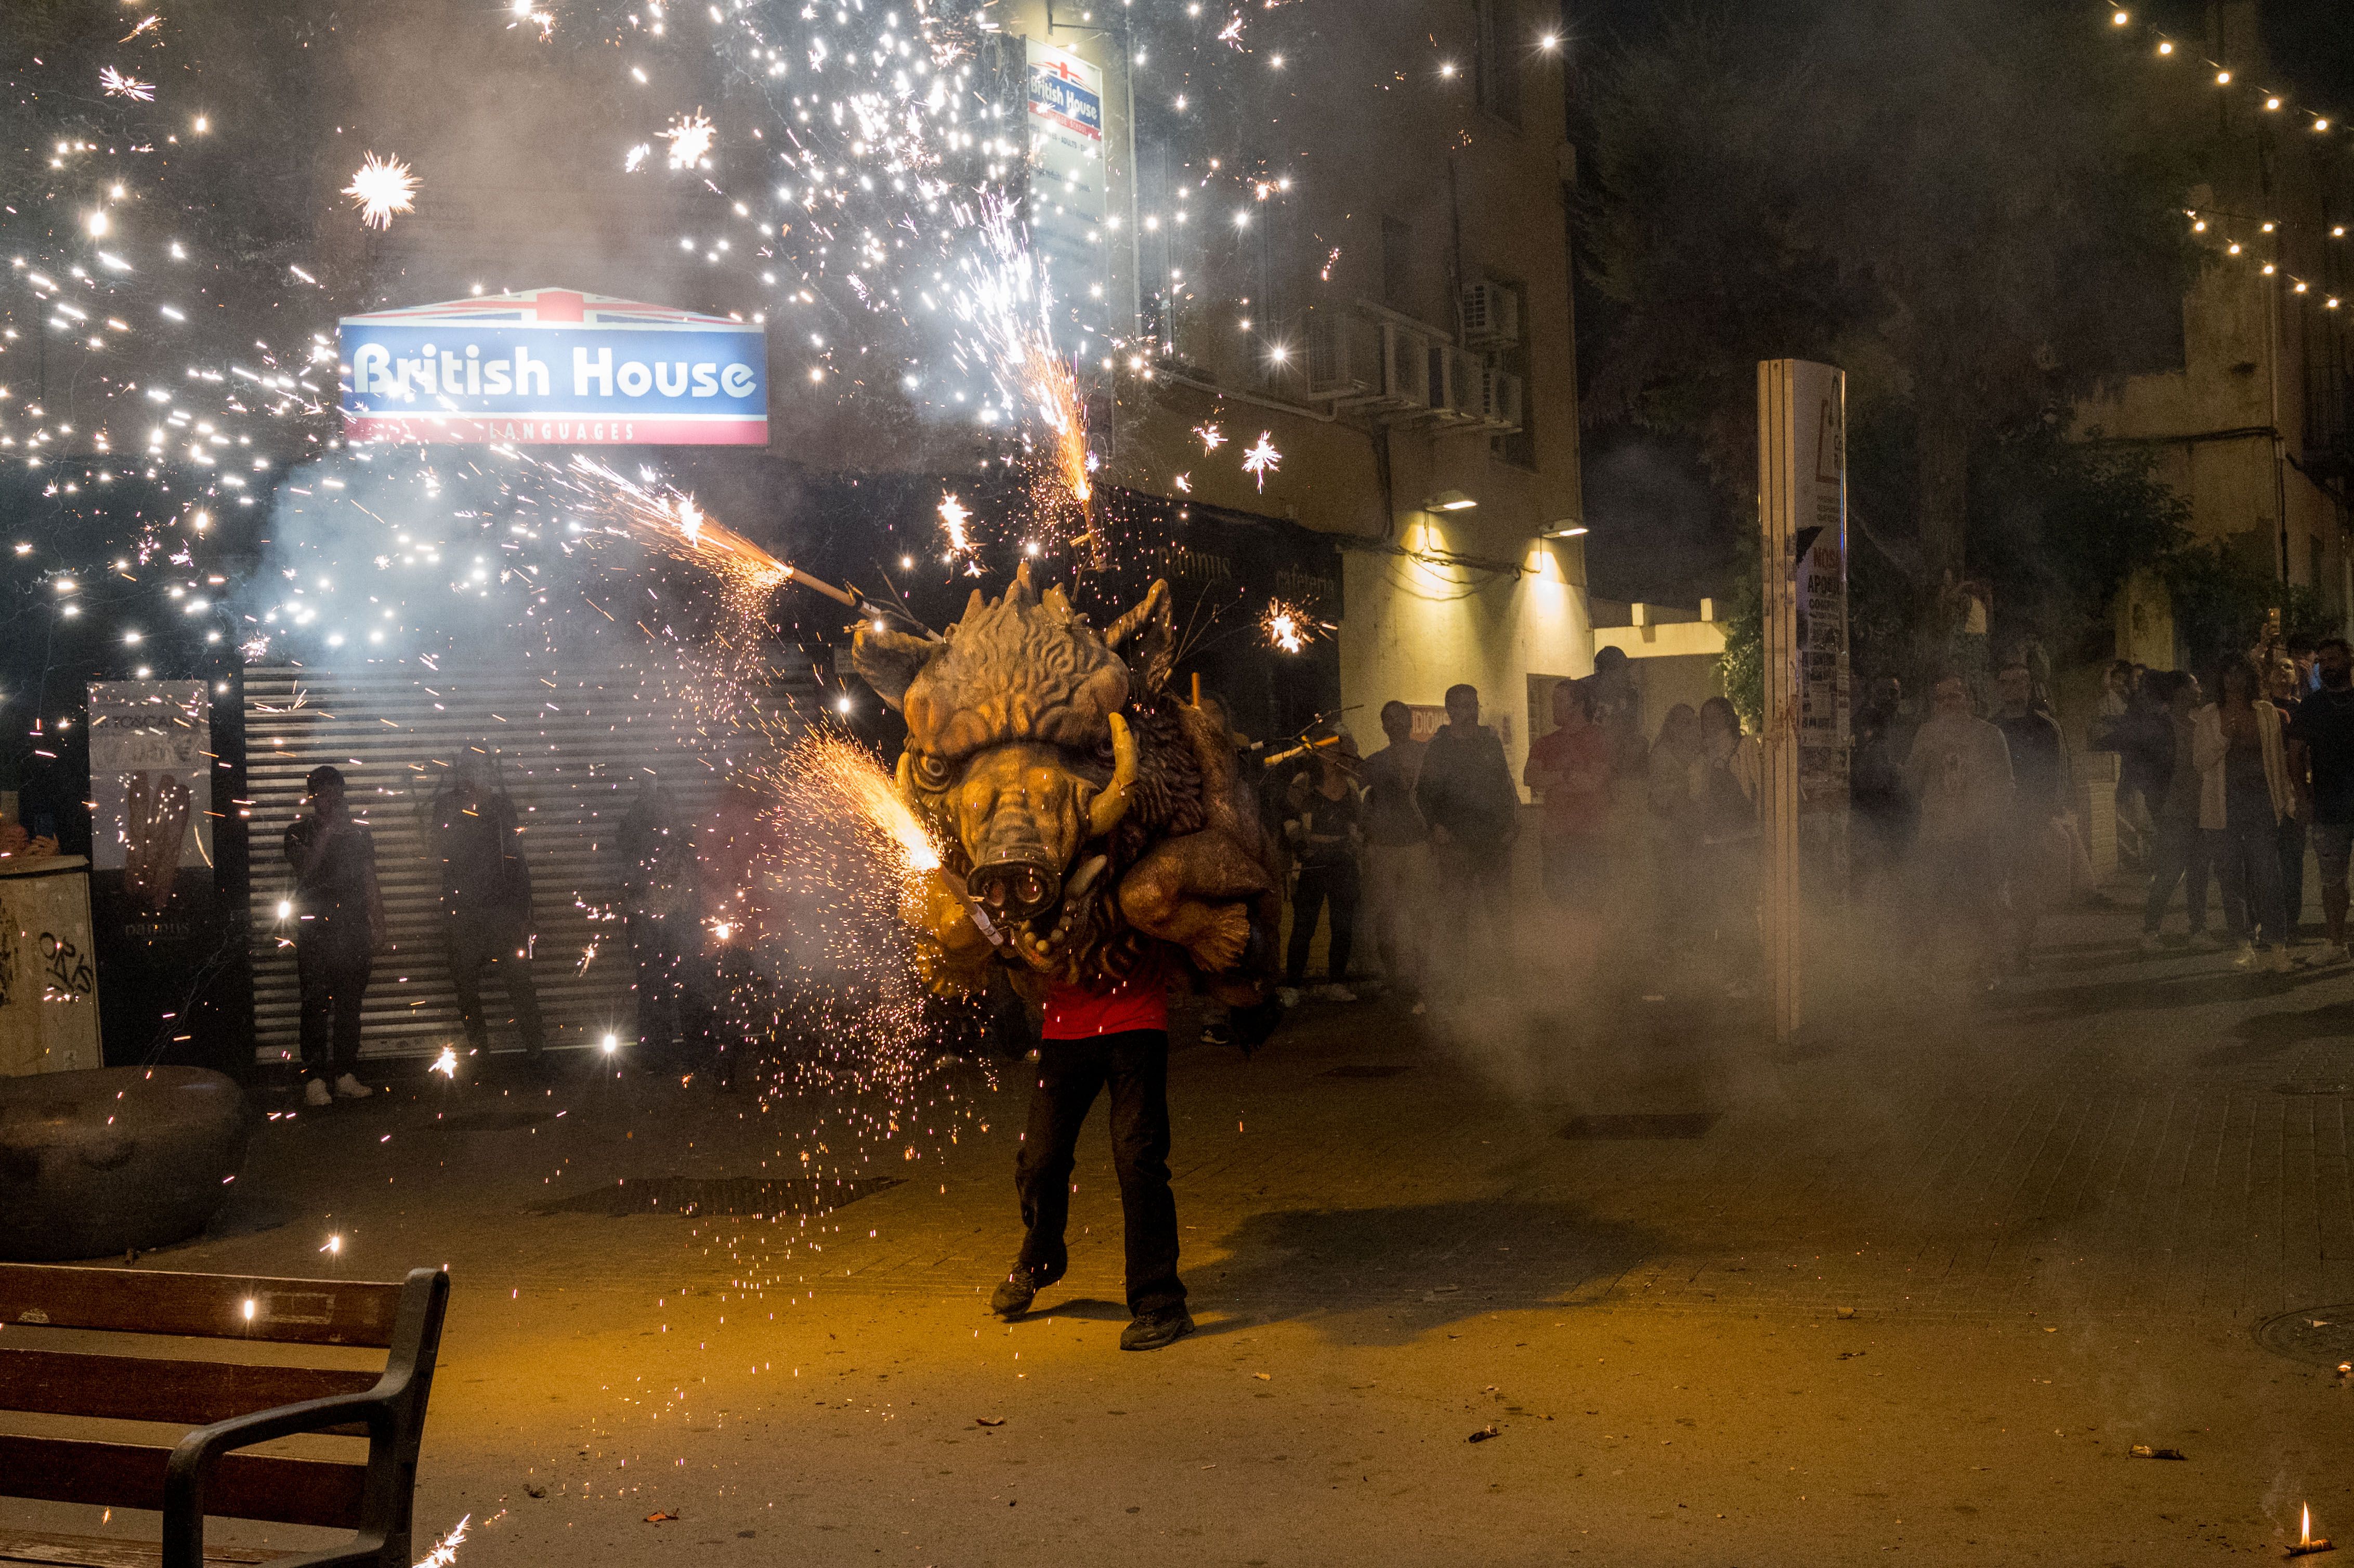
568 751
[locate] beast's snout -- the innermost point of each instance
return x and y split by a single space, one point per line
1014 889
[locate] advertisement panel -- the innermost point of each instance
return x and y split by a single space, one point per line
1068 197
554 368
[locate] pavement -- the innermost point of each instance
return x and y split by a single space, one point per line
1913 1286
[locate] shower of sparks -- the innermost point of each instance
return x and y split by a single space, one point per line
953 518
847 779
1184 484
445 1550
1262 459
1212 438
153 19
1330 261
445 1063
1289 629
382 187
118 85
1232 33
690 137
525 11
635 158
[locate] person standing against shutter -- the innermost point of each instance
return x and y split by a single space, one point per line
339 920
485 906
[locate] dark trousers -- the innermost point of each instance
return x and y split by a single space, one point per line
1321 885
332 959
2291 836
661 978
2247 862
1135 1066
2177 854
480 942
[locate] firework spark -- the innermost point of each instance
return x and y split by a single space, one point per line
635 158
1262 459
118 85
1232 33
382 187
1212 438
690 137
151 19
1288 628
953 518
445 1063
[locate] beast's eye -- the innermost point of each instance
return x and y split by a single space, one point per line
1104 753
931 771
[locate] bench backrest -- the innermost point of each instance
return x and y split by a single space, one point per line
193 1393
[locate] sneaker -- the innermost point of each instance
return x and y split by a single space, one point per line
1217 1034
1019 1288
1416 1010
351 1088
2245 958
1335 992
1287 994
1150 1330
2282 962
315 1093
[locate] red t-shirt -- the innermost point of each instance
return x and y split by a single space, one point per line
1080 1012
1576 808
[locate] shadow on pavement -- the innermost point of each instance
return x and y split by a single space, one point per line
1385 1275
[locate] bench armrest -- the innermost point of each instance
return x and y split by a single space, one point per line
393 1412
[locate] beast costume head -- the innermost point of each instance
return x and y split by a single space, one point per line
1084 814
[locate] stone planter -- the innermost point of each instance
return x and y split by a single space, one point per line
94 1162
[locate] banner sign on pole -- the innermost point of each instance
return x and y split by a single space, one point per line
554 368
1802 509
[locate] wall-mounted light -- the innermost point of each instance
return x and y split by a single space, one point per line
1568 528
1448 501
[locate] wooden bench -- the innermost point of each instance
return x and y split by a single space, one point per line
231 1405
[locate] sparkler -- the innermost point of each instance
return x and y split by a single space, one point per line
118 85
382 187
445 1063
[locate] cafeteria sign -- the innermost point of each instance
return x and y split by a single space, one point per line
551 367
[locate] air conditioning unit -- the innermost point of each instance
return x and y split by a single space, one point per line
1455 386
1345 359
1411 373
1491 315
1500 398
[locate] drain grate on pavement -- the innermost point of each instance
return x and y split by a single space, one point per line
2323 1336
753 1196
1643 1124
1366 1070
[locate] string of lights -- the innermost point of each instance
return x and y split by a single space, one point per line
2225 231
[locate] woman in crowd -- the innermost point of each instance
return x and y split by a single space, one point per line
2239 749
2283 691
1726 780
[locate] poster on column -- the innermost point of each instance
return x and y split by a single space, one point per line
154 910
